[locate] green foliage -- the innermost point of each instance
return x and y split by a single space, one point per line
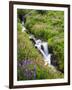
22 11
57 43
19 27
41 11
49 27
26 49
20 74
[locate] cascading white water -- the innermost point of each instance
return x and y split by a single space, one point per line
23 24
44 51
45 46
39 44
23 28
47 56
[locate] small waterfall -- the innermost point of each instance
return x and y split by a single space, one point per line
23 27
31 37
43 48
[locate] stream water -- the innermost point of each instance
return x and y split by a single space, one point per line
23 28
43 48
40 45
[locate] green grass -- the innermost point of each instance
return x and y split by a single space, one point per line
27 51
49 26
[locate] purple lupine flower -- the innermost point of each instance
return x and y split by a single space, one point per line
34 75
24 62
30 62
29 74
34 67
19 64
27 62
34 71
